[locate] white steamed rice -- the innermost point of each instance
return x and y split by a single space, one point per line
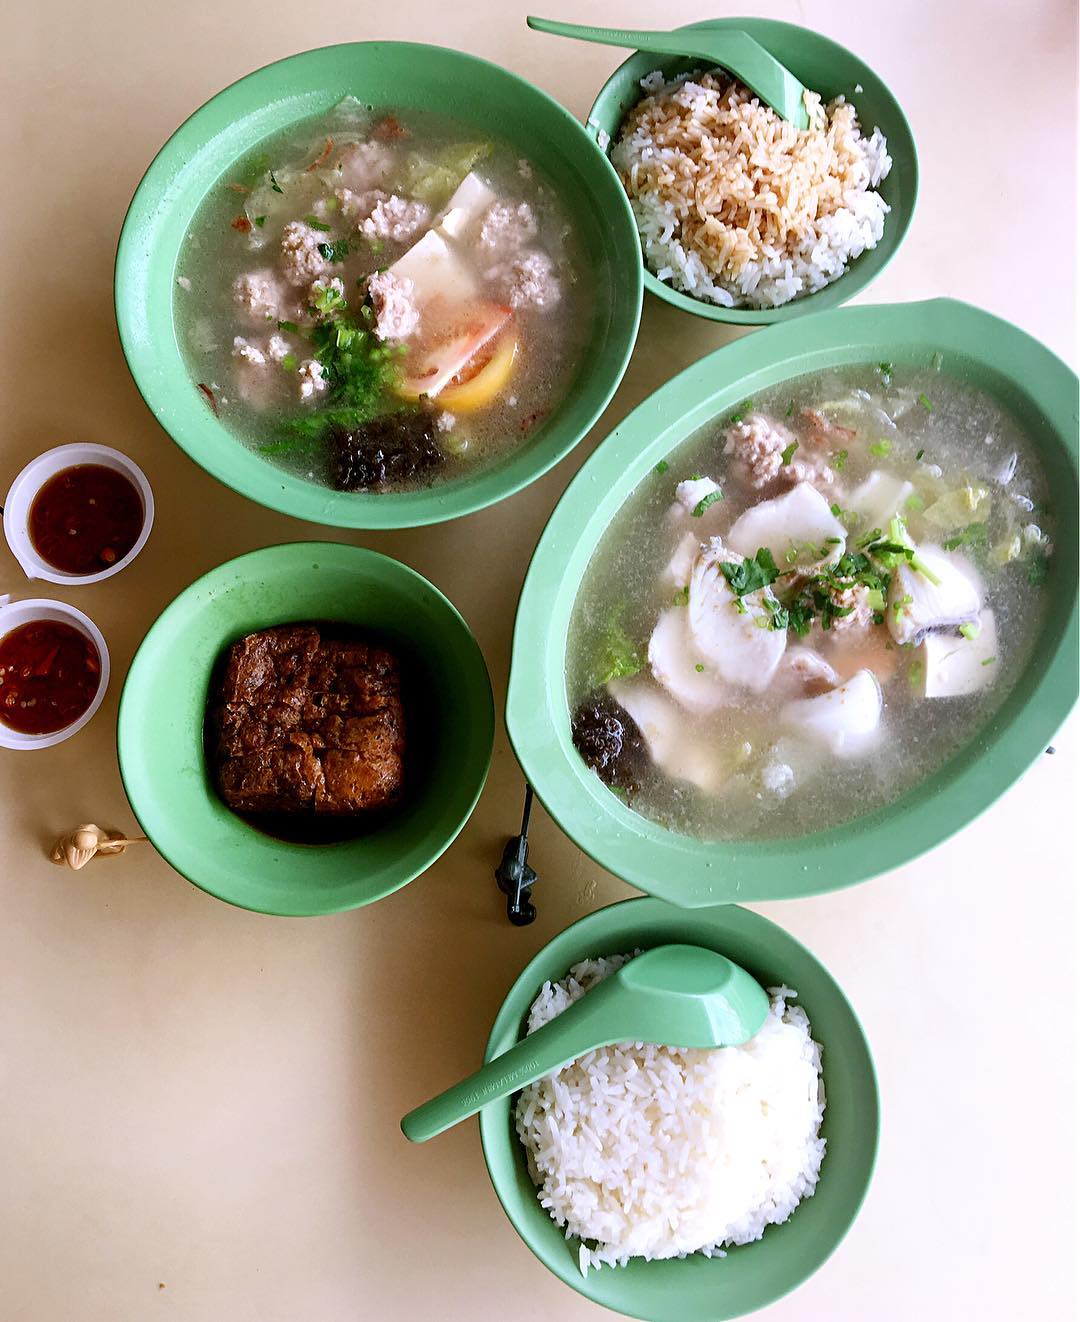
737 207
655 1152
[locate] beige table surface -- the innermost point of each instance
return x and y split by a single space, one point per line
199 1106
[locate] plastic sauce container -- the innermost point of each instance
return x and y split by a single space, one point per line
13 616
26 487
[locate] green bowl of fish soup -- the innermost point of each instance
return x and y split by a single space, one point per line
336 247
934 733
824 67
697 1288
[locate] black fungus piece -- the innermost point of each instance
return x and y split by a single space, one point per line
609 741
385 452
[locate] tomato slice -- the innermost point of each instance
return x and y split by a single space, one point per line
433 364
483 378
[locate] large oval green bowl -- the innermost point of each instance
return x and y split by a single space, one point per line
698 1289
1028 380
163 707
482 96
825 67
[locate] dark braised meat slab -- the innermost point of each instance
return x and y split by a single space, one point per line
307 724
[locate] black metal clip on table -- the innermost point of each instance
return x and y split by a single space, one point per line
515 877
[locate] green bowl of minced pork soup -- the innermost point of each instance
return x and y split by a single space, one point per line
810 609
378 285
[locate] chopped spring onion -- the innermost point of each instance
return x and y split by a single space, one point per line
989 661
704 503
290 326
788 452
881 448
699 667
839 460
662 466
681 598
970 630
317 224
925 402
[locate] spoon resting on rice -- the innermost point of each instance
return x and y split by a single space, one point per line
672 995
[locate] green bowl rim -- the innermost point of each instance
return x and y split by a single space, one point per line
442 502
646 855
494 1117
177 603
823 299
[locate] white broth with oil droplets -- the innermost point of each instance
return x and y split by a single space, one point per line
812 604
379 299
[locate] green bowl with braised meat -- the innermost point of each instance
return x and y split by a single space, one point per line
378 285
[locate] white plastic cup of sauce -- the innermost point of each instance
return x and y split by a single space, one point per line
13 615
25 488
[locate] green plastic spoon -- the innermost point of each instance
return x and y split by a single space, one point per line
678 996
737 52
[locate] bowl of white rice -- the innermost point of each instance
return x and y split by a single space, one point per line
741 217
686 1186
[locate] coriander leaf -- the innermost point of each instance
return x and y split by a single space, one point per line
839 460
788 452
662 466
317 224
274 184
973 535
681 598
750 575
260 221
336 251
289 326
925 402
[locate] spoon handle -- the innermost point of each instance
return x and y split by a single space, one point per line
628 37
581 1027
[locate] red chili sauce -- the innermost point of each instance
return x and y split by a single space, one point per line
49 674
85 519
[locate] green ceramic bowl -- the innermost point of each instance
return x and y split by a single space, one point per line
825 67
383 73
698 1289
990 354
162 710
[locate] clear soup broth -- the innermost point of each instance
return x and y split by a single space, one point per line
382 299
811 605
